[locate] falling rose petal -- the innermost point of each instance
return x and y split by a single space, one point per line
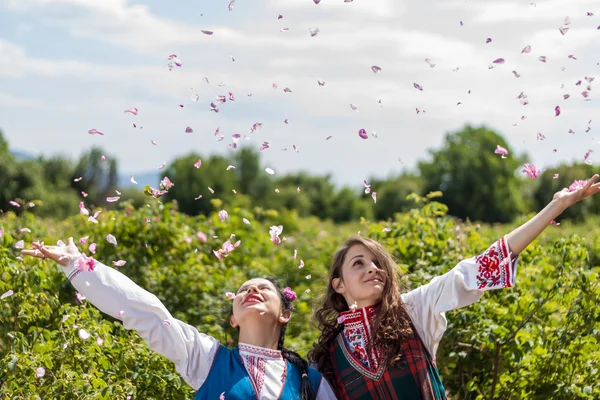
375 69
328 137
121 313
563 30
287 90
133 111
95 132
207 32
14 203
7 294
531 170
374 196
418 87
314 32
231 5
99 341
353 107
223 215
488 40
317 1
112 199
590 14
279 16
498 61
20 244
132 180
119 263
567 21
83 334
363 134
77 179
269 171
501 150
230 167
211 190
83 240
516 74
526 49
246 221
103 158
111 239
40 372
301 264
189 130
92 248
308 276
230 295
557 111
542 58
153 142
198 163
566 96
320 82
431 64
162 166
540 136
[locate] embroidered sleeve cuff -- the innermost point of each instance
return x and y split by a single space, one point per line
496 268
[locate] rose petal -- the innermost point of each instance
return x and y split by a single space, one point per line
112 199
269 171
111 239
375 69
363 134
133 111
557 111
83 334
314 32
207 32
119 263
526 49
417 86
40 372
7 294
95 132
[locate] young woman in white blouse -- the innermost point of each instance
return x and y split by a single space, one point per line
260 367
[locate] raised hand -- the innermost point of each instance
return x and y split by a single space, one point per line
60 254
568 198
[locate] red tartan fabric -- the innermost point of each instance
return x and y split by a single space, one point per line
415 376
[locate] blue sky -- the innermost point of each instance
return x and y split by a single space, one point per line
67 66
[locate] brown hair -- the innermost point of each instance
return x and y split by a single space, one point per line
391 324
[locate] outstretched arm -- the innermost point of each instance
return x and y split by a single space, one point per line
495 268
520 238
118 296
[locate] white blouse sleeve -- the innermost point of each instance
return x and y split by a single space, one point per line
325 392
115 294
461 286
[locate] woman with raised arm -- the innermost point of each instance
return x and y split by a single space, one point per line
260 367
377 343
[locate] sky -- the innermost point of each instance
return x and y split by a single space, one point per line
69 66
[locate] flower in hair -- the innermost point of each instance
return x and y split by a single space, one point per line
289 294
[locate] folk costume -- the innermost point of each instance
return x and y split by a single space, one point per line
212 370
359 374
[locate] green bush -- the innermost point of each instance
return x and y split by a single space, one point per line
536 341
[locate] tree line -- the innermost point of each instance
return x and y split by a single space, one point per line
474 182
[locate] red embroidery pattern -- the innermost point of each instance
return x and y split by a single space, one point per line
256 367
357 332
494 267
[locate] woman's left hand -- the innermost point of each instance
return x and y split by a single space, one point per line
568 198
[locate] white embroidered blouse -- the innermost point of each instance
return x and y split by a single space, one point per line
463 285
192 352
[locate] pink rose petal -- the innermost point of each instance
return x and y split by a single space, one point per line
314 32
557 111
7 294
417 86
95 132
207 32
363 134
83 334
133 111
111 239
501 150
119 263
526 49
269 171
40 372
375 69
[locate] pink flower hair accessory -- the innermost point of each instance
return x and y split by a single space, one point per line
289 294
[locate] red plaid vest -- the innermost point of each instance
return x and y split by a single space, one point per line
415 376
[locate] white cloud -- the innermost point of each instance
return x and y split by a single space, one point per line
354 36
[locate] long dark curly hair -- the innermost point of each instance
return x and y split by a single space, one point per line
391 323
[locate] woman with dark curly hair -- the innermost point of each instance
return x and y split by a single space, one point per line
377 343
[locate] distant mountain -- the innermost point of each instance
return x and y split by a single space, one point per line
22 155
151 178
145 178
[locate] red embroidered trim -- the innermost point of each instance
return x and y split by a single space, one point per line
495 267
260 351
357 331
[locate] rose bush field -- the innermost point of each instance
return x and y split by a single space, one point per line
538 340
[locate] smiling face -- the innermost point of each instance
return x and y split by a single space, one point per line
361 280
258 298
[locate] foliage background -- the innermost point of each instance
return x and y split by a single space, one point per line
538 340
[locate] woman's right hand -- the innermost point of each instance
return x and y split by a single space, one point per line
60 254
